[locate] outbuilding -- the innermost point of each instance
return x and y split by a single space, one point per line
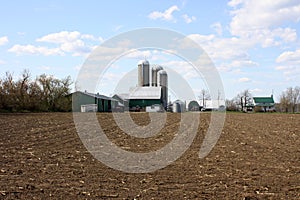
141 97
193 106
102 102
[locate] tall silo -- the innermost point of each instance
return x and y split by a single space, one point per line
163 82
143 73
155 70
140 73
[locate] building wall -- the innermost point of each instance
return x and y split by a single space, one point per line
124 102
142 103
79 98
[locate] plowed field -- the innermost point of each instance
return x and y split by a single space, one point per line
256 157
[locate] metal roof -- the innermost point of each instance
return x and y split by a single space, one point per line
145 93
263 100
99 96
123 96
143 62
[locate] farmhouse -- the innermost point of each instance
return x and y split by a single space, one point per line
264 104
94 102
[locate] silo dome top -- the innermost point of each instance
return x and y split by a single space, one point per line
157 68
143 62
162 72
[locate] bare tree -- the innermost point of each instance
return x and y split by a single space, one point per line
204 96
243 99
8 92
247 97
284 102
45 93
22 90
293 96
231 105
54 91
238 100
290 99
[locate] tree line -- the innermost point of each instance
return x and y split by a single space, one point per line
45 93
289 101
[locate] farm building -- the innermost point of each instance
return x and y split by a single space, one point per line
178 106
145 96
123 103
264 103
148 92
80 100
193 105
213 105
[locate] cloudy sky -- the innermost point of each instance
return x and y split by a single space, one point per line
254 44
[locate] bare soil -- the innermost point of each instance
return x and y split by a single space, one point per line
256 157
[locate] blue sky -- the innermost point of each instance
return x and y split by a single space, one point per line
254 44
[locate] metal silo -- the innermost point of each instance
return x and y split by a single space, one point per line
140 74
178 106
163 82
143 73
155 70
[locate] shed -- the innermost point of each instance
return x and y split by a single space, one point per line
123 103
193 106
104 103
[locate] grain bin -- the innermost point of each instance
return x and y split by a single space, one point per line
178 106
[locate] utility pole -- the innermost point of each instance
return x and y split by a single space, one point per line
218 98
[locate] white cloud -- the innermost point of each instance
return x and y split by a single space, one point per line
30 49
223 48
139 54
167 15
71 42
45 68
21 34
2 62
263 14
255 20
244 63
3 40
234 3
183 68
256 90
289 57
244 80
253 23
118 27
61 37
188 19
68 42
217 28
289 63
151 55
202 39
